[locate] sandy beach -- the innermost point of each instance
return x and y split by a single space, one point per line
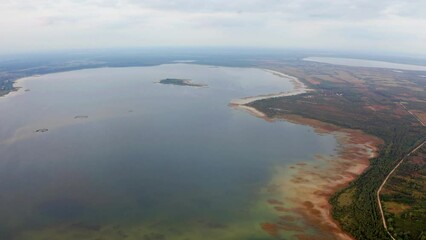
299 88
20 86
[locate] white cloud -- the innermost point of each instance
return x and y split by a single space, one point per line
386 25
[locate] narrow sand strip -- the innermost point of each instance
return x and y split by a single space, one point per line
299 88
20 87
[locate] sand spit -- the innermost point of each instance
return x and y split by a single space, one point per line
299 88
305 188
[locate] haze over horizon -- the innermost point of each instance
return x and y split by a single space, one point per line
386 26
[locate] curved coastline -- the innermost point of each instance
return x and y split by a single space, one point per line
306 180
307 187
299 88
18 87
312 184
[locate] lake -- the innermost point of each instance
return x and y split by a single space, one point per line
352 62
125 157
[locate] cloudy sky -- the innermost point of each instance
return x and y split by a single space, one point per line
380 25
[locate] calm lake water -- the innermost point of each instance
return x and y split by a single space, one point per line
150 161
352 62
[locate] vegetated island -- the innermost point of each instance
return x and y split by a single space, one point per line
41 130
377 102
181 82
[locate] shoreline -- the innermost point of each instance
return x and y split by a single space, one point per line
352 144
307 187
18 87
299 88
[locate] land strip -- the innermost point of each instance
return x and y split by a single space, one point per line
383 184
393 170
364 99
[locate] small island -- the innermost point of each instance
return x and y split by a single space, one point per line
181 82
41 130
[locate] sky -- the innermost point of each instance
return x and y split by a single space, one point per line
348 25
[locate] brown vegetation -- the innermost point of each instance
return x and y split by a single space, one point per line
367 99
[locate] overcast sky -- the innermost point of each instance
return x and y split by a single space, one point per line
383 25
